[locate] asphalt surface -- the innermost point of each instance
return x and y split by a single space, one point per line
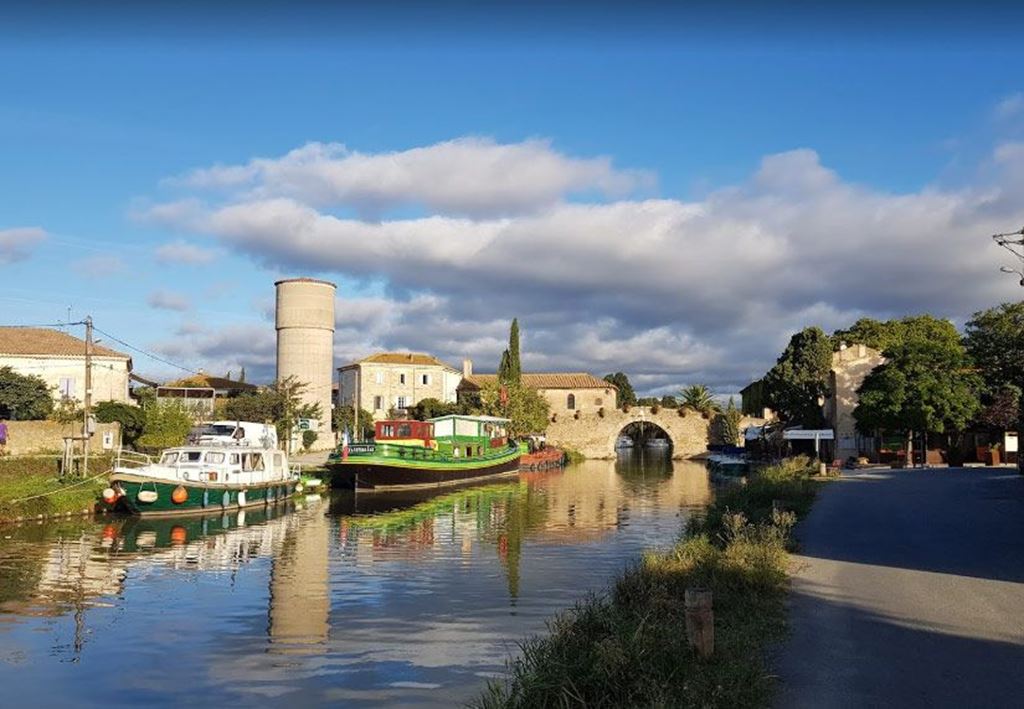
909 592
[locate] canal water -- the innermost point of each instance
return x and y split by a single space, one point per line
350 602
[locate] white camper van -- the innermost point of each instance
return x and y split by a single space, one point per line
240 433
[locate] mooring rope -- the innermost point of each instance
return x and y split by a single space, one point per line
51 492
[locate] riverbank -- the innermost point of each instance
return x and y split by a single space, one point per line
628 646
30 488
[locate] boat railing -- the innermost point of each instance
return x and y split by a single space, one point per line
414 453
131 459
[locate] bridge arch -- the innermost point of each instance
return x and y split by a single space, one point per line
594 434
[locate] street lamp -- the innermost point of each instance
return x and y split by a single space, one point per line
1014 243
1007 269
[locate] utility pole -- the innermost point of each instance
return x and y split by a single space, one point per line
88 395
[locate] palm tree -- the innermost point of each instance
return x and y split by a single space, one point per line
699 398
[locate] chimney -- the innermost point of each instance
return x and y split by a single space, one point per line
467 368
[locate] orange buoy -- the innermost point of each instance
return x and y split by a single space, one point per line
179 535
179 495
110 495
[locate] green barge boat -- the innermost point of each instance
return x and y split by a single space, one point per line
200 478
440 452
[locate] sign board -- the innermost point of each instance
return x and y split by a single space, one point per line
1012 444
308 424
361 448
799 434
108 440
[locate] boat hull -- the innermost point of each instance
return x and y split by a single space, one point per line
369 475
199 498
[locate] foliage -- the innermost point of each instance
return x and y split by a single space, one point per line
669 402
626 397
308 439
344 417
1002 410
510 370
144 395
892 333
800 376
167 424
527 409
995 341
924 385
648 401
282 404
698 397
729 423
131 418
432 407
626 647
67 411
23 397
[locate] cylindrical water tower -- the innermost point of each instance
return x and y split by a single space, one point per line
305 343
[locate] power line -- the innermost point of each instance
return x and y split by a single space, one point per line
145 352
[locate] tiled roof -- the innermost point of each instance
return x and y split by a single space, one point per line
545 380
30 341
205 380
415 358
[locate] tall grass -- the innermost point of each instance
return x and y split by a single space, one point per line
628 646
30 476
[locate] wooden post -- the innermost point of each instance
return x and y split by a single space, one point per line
700 621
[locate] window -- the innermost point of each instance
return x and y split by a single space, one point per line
425 379
401 378
401 402
214 458
404 430
67 387
378 403
387 431
570 402
233 459
378 377
169 459
190 457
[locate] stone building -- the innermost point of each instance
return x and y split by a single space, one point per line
850 365
566 392
396 380
59 359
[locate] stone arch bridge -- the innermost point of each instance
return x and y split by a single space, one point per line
594 435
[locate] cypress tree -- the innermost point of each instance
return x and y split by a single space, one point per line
515 369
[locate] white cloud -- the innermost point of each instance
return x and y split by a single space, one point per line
185 253
16 244
168 300
475 176
671 291
99 266
1009 107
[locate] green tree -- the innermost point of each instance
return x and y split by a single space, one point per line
432 408
527 409
344 417
669 402
925 385
167 424
67 411
23 397
891 333
729 422
282 405
995 341
260 407
510 370
626 396
800 376
131 418
699 398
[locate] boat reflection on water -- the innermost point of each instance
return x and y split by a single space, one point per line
409 598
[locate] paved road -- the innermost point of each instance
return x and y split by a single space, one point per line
909 592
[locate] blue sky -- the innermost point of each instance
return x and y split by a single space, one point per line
97 120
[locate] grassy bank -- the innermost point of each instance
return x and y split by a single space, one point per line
628 647
30 476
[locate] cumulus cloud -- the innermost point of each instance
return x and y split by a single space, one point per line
99 266
17 244
224 349
184 253
475 176
168 300
1009 107
671 291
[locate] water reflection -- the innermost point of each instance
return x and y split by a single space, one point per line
407 599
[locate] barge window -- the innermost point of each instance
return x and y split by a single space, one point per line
215 457
404 431
233 459
169 459
191 456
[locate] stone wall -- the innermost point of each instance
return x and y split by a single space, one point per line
587 401
594 436
383 383
28 437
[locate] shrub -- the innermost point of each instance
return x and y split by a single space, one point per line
308 439
131 418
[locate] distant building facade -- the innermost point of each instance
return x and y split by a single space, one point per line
59 360
200 392
396 380
850 365
565 392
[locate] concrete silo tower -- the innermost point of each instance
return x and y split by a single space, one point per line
305 343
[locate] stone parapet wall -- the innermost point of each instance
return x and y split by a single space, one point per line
594 435
30 437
